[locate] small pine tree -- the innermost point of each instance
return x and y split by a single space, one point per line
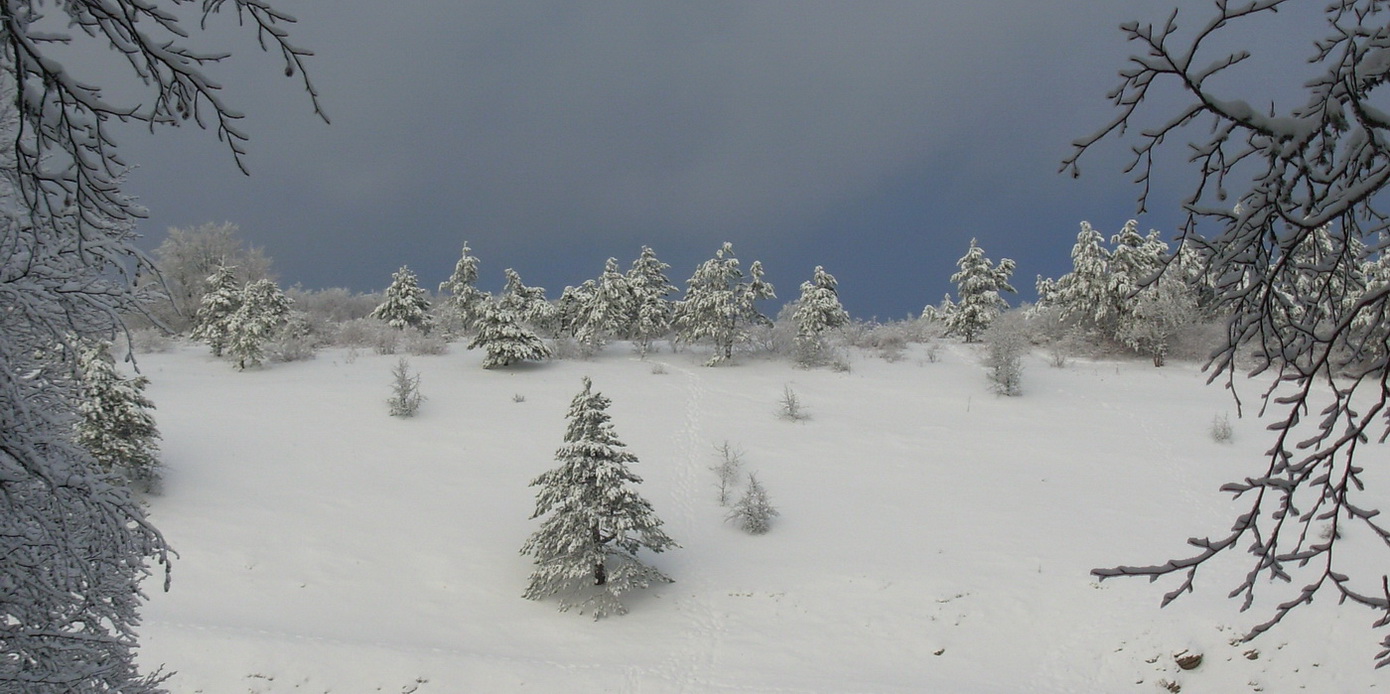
1006 342
221 300
651 311
462 298
263 309
505 339
720 304
728 469
114 421
818 311
405 304
753 511
978 284
405 391
586 548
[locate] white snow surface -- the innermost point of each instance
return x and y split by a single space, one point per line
933 537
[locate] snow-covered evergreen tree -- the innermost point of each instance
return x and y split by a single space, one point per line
114 421
595 521
461 295
528 305
652 311
405 304
220 300
570 308
1085 294
978 284
817 312
264 308
505 339
720 303
753 512
607 310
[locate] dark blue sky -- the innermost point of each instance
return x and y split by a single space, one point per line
874 138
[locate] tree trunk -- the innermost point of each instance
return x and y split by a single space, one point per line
600 573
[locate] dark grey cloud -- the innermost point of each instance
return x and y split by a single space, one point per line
872 137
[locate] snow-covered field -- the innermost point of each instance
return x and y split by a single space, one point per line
933 538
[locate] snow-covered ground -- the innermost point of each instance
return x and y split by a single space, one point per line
933 537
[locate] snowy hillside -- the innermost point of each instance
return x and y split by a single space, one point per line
933 537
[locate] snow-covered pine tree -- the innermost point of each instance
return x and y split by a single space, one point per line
978 284
606 311
720 304
753 512
461 295
1084 295
405 304
569 308
114 421
263 309
220 300
586 548
651 317
528 305
505 339
817 312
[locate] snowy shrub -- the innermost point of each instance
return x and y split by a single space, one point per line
727 470
1220 429
1006 341
790 407
566 348
658 369
334 305
405 391
422 344
518 398
294 341
753 512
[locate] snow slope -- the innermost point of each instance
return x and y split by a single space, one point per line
933 536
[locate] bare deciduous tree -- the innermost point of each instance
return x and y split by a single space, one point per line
1266 180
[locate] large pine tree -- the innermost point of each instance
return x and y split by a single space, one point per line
586 548
720 303
978 284
461 295
405 304
651 310
606 311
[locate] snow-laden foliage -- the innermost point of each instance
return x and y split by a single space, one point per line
595 521
1085 293
1286 200
720 303
978 284
651 310
528 305
461 297
505 339
220 300
817 312
607 309
115 424
753 512
405 303
264 308
1006 341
